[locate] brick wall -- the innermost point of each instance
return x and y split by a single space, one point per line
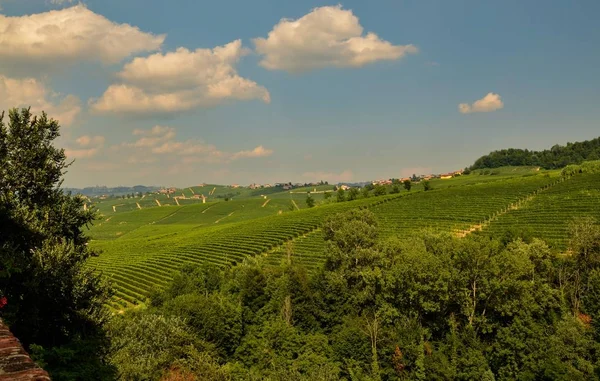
15 363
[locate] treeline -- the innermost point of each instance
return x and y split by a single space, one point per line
433 307
556 157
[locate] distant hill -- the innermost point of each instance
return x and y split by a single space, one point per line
556 157
116 191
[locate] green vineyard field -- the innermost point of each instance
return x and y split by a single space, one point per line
450 209
141 250
148 255
548 215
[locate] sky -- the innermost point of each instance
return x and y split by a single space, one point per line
185 92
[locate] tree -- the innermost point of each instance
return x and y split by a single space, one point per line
341 195
365 192
326 195
352 194
407 184
395 189
53 299
380 190
310 202
426 185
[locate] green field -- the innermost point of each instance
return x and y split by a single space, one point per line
150 251
142 249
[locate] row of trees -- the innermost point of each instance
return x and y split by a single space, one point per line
556 157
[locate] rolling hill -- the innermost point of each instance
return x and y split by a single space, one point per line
142 249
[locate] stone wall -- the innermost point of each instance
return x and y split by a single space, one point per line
15 363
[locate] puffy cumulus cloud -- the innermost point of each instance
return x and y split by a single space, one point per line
491 102
326 37
69 35
179 81
344 176
30 92
85 147
159 143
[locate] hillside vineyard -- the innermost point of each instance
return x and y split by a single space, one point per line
158 241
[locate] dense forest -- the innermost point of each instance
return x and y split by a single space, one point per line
556 157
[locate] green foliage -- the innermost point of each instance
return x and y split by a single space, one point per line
341 195
365 193
310 202
407 184
380 190
556 157
433 306
426 185
352 194
145 345
54 301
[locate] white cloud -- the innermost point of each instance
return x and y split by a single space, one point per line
179 81
159 143
326 37
59 37
259 151
491 102
345 176
86 147
30 92
153 137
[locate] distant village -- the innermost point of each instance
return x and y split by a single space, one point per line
342 185
177 194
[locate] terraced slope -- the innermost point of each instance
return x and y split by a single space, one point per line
453 209
148 256
147 253
548 215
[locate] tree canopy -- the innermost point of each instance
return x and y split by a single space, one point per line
431 307
53 300
556 157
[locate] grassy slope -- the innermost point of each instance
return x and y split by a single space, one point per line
155 242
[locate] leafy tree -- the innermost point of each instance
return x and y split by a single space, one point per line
426 185
407 185
310 202
380 190
585 245
327 195
395 189
144 346
352 194
365 192
53 299
341 195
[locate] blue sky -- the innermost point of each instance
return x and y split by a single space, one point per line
308 98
